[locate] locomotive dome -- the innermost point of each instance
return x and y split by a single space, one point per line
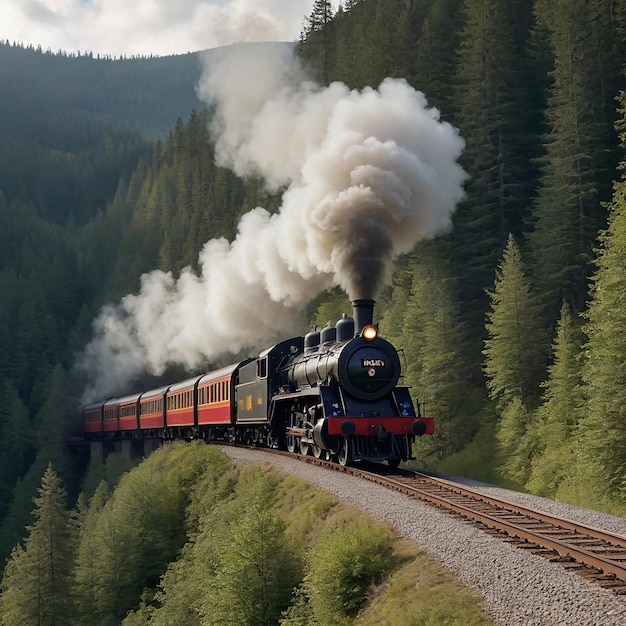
345 328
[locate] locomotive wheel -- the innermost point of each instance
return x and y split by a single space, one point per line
393 463
318 452
343 452
305 449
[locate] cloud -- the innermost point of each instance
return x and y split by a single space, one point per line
144 27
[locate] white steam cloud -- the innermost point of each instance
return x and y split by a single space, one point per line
367 174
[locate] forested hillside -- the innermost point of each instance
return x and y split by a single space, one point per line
73 131
142 94
184 533
511 324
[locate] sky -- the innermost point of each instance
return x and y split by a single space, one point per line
149 27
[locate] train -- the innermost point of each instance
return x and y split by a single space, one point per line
333 393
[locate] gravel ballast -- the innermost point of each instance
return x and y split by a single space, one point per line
518 588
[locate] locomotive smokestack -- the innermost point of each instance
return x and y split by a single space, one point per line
363 313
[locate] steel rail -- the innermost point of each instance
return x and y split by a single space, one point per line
553 533
599 554
597 549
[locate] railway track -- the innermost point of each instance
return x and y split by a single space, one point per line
594 554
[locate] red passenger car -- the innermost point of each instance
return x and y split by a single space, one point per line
216 397
152 409
180 401
111 416
128 408
92 418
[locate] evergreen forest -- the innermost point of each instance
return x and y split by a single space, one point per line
184 532
512 326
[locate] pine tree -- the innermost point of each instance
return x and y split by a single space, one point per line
318 37
492 102
353 44
514 364
435 49
87 562
382 37
579 157
52 422
437 365
257 559
603 429
16 433
554 424
394 315
36 584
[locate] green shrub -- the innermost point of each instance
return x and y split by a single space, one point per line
342 566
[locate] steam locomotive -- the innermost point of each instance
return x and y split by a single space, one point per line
332 393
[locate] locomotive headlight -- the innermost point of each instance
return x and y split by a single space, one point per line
369 332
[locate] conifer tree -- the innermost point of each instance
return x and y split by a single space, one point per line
435 49
603 427
394 315
553 427
577 166
257 558
36 584
514 364
353 44
433 339
382 36
16 433
86 574
347 52
492 111
318 36
51 422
